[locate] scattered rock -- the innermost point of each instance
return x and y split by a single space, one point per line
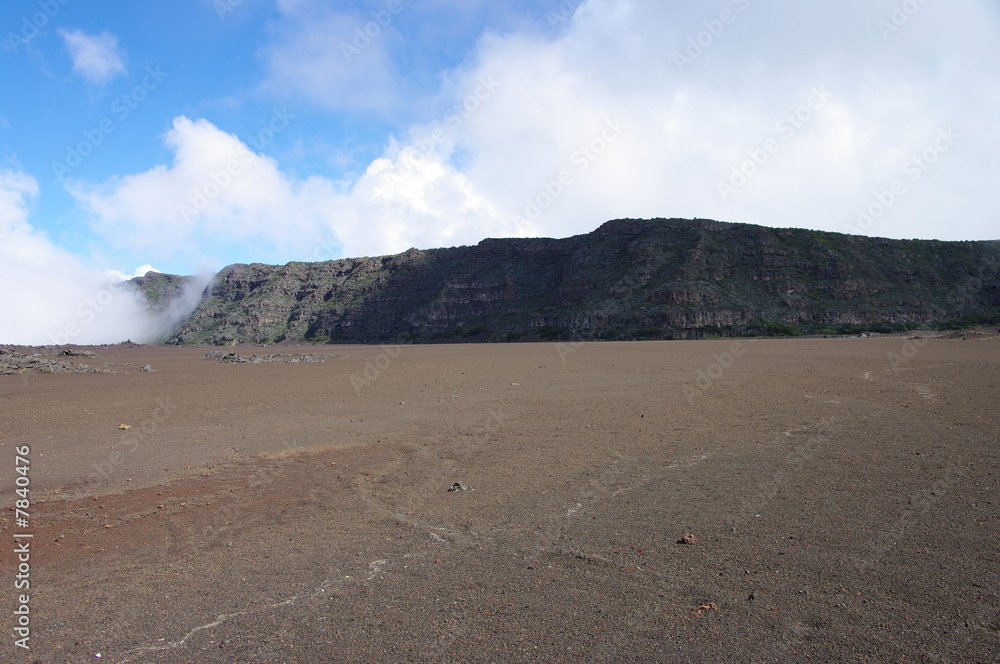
709 606
688 538
146 368
124 427
79 353
460 486
227 356
971 333
50 361
232 357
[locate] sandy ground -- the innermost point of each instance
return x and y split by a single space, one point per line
842 492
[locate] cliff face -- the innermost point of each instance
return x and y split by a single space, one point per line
161 290
627 279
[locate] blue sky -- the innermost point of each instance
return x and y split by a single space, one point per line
190 134
212 60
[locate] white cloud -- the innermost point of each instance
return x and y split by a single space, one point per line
216 190
218 194
17 192
97 58
410 198
688 128
337 60
382 56
50 296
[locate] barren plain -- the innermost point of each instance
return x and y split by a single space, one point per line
839 498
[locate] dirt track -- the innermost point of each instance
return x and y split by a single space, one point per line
843 493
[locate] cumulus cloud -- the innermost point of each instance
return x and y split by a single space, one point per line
410 198
765 118
50 296
219 192
97 58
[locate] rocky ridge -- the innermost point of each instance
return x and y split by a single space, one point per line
662 278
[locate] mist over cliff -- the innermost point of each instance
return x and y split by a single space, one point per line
662 278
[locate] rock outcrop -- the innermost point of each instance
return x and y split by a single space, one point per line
160 289
664 278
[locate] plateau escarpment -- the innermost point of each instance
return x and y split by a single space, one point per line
666 278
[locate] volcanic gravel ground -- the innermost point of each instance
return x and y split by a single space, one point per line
841 495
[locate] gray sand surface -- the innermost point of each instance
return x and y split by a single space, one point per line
842 494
